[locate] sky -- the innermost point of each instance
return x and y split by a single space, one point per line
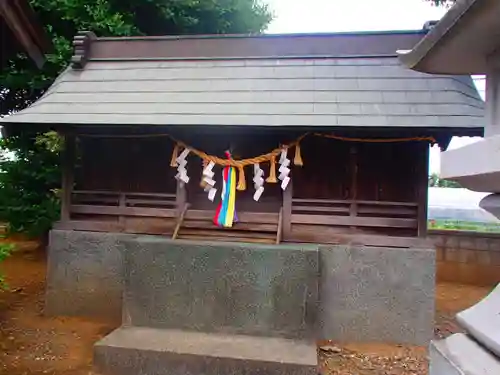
310 16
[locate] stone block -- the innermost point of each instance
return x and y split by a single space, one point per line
452 254
484 257
150 351
234 288
483 243
495 260
482 321
439 240
375 294
460 355
85 274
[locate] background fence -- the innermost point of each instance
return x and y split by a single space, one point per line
467 257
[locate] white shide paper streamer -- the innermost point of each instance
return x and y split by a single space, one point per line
284 169
258 181
181 167
208 179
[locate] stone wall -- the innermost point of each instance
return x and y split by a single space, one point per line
85 274
375 294
233 288
467 257
343 292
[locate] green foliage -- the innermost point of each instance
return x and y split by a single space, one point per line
29 179
436 181
445 3
5 251
64 18
464 226
51 141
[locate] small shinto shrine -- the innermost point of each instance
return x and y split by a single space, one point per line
227 193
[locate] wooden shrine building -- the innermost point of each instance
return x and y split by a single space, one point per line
357 122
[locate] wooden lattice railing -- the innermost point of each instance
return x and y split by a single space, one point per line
375 214
123 204
311 220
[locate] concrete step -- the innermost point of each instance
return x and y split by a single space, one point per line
151 351
460 355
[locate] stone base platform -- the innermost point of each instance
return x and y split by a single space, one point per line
152 351
461 355
482 321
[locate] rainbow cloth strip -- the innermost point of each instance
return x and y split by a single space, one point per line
226 213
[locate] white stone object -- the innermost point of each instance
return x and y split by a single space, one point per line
459 354
482 321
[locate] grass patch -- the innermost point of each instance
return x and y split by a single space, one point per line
464 226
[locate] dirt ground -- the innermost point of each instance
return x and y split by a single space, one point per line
32 344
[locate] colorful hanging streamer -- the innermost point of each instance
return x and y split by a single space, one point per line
225 215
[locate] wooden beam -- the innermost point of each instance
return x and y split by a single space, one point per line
68 179
383 222
287 210
123 205
247 227
279 232
89 226
180 197
423 189
322 209
243 217
122 211
371 203
353 157
362 239
179 221
20 19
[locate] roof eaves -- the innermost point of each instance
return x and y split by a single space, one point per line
413 58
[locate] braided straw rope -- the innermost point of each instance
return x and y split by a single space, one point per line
264 157
375 140
243 162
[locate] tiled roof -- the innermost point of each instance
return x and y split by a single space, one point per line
300 91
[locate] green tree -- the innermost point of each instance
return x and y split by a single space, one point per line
443 2
436 181
64 18
28 180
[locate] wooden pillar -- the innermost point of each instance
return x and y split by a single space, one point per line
122 203
353 207
423 188
68 178
287 210
180 197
